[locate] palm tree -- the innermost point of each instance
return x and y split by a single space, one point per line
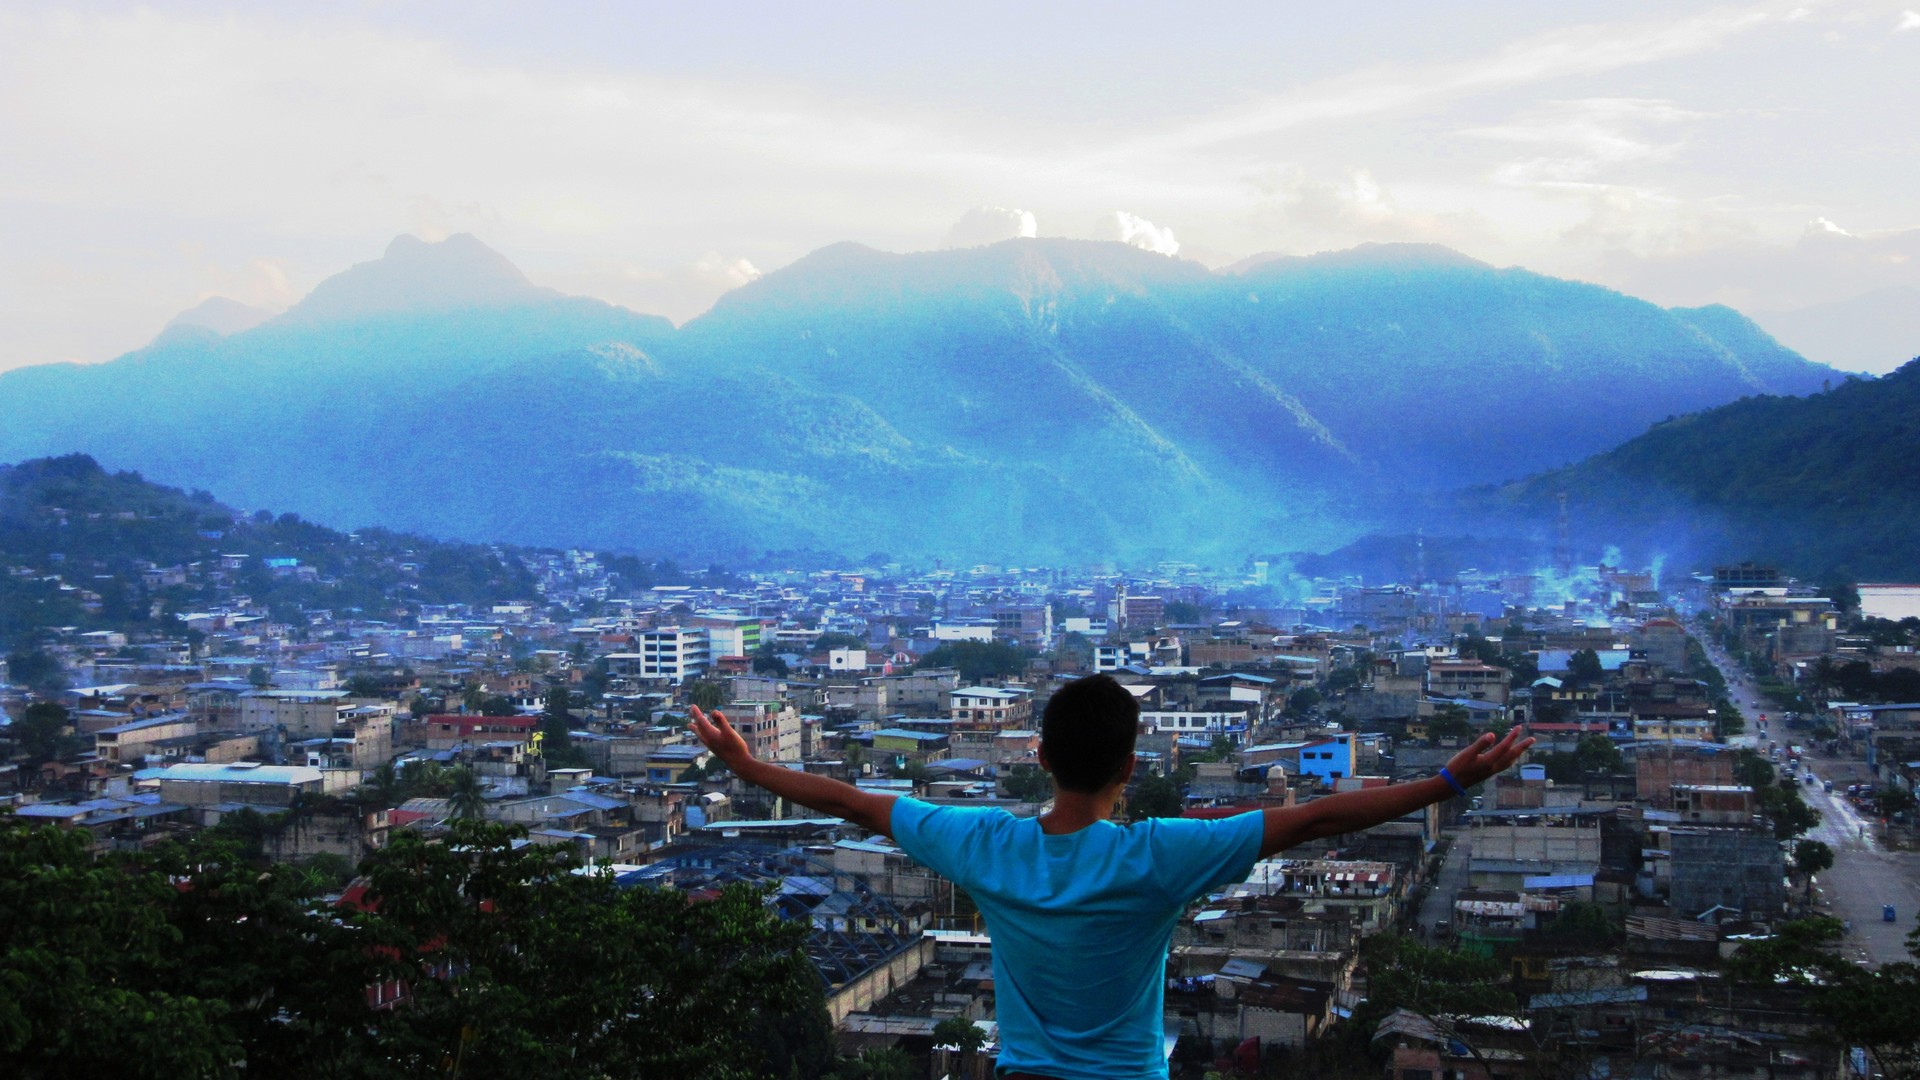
466 799
382 789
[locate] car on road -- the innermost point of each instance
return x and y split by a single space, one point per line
1829 787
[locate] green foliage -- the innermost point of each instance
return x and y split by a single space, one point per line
1303 701
1586 924
1856 680
836 640
959 1032
1404 974
37 670
1593 755
190 961
1584 666
978 661
1028 783
1784 806
103 524
706 694
44 733
466 797
1875 1008
1449 721
497 705
1155 796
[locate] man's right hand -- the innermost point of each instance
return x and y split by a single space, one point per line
1483 758
718 736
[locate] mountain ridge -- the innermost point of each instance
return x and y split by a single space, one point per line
1072 400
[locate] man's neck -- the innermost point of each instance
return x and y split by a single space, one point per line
1075 810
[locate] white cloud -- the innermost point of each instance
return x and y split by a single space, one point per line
1909 20
990 225
1579 139
1820 227
1141 233
729 273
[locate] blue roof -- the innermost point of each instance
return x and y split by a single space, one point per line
1557 881
902 733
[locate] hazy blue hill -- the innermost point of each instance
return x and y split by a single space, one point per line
68 516
1056 399
1827 484
1451 371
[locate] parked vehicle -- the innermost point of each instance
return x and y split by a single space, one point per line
1829 787
1887 915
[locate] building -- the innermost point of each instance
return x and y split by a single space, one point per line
247 783
448 730
772 729
990 708
669 653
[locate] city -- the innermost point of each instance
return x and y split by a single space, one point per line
1722 755
1006 541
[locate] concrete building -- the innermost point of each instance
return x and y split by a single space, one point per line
1740 869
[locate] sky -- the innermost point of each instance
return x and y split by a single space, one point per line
1755 154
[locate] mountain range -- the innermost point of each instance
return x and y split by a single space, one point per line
1037 399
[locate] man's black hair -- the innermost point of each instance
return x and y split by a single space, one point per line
1087 733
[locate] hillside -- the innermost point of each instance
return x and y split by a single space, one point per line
1827 485
75 539
1052 400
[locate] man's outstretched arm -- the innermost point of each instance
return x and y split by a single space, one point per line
1351 811
825 794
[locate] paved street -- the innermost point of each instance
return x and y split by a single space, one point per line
1864 876
1438 906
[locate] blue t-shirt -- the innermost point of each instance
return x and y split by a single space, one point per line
1080 924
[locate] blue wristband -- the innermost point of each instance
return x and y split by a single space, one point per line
1447 775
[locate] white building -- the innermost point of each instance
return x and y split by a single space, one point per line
674 653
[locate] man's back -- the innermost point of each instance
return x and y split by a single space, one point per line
1080 924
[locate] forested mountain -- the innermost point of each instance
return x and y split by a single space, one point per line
74 538
1826 485
1036 399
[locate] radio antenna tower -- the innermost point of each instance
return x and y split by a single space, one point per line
1563 542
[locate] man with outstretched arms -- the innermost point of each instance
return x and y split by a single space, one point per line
1081 909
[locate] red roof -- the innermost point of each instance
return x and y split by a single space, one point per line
1214 813
475 720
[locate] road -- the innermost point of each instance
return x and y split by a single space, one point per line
1438 905
1864 876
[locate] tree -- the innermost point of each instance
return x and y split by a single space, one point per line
1584 666
1598 756
1811 857
381 789
1449 721
1155 796
37 670
497 705
876 1063
466 798
88 966
1790 814
978 661
1028 783
44 733
259 677
706 694
766 661
1303 701
961 1034
1878 1009
556 727
364 686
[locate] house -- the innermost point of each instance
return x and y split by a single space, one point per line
448 730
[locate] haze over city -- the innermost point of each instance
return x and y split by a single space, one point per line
1757 155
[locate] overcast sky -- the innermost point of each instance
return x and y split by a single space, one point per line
1762 155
